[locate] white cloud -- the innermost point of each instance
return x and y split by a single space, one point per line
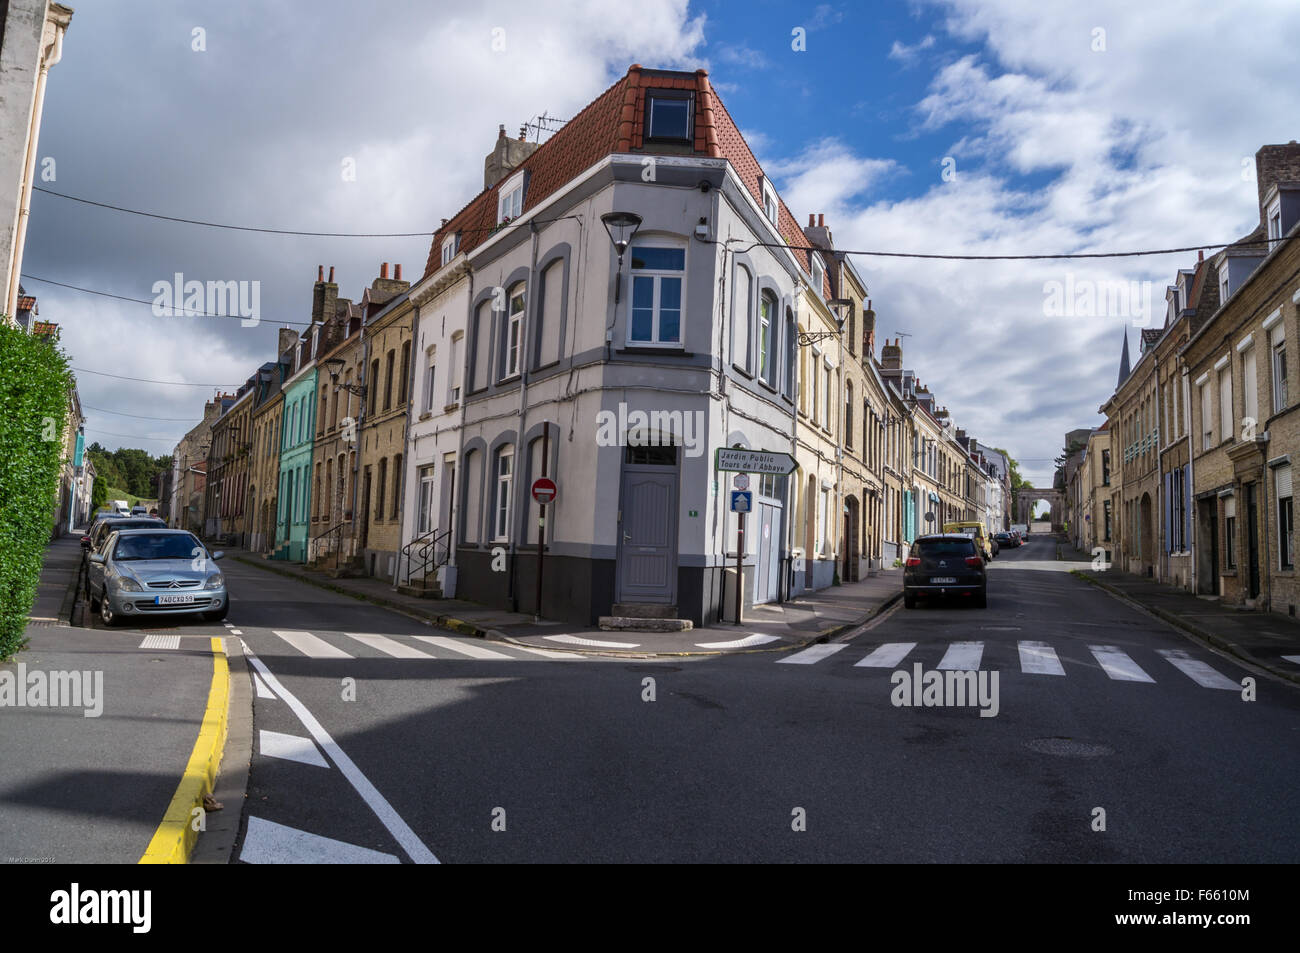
908 55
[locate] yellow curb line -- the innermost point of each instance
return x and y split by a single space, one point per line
175 837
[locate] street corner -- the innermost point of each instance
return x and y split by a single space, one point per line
111 742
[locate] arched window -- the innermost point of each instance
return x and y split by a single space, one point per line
740 319
503 472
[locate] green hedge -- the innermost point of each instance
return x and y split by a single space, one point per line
34 389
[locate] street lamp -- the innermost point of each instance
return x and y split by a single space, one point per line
334 364
622 227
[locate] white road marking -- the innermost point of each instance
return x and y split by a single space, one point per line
887 655
1039 658
1292 658
388 646
813 654
464 648
262 690
1118 665
309 645
575 640
744 643
1198 671
272 744
161 642
266 842
963 657
236 632
406 837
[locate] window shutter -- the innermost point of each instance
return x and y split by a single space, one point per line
1187 508
1283 481
1229 507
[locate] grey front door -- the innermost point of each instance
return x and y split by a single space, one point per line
766 570
647 544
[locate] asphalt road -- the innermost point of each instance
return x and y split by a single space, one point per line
390 748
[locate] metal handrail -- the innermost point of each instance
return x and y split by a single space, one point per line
313 545
423 551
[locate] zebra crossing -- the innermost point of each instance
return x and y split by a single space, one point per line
425 648
1033 657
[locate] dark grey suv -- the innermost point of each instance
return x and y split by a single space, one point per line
944 566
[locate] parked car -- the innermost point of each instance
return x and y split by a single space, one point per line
945 565
139 511
121 507
975 529
100 529
1006 539
149 572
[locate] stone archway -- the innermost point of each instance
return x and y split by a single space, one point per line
1027 498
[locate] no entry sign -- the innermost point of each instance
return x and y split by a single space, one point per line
543 490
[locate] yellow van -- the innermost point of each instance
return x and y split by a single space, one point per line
976 529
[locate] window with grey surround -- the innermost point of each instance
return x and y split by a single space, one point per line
655 304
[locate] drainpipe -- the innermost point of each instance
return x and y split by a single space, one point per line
464 412
406 431
519 492
364 378
29 171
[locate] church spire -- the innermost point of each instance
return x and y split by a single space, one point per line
1124 368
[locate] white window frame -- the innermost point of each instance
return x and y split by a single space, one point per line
771 208
512 343
766 348
510 198
425 503
1226 428
1274 215
657 275
818 273
815 396
455 378
501 495
449 248
1276 357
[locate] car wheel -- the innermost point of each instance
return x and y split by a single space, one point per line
218 614
909 601
106 613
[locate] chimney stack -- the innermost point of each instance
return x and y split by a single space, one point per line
397 273
821 219
812 219
323 296
1275 164
891 356
507 155
383 269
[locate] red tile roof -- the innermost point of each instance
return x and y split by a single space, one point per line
614 123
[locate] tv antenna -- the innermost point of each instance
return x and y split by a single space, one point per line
544 123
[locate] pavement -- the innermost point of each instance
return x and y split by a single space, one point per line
108 736
1267 640
812 617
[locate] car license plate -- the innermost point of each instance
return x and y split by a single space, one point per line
173 600
943 578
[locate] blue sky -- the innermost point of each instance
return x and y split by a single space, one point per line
1057 145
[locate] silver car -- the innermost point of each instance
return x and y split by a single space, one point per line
155 572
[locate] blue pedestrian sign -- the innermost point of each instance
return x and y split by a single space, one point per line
742 501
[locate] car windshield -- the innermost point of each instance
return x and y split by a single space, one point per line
944 547
157 546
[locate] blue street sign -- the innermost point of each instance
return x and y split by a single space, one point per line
742 501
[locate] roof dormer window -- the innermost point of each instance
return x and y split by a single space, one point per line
669 115
450 246
818 273
1274 216
510 200
770 207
